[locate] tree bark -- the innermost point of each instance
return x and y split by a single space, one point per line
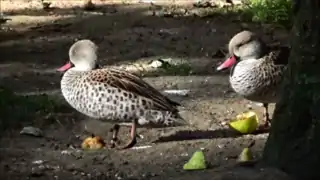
294 140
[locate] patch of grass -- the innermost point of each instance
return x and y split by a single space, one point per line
182 69
266 11
18 109
263 11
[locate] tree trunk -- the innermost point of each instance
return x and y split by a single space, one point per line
294 140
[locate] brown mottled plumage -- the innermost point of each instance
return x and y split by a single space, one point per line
257 69
114 95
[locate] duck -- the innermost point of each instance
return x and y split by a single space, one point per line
114 95
257 69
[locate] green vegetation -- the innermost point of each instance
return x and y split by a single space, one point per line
277 12
182 69
16 109
167 68
270 11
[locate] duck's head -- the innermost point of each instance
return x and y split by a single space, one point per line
82 55
244 45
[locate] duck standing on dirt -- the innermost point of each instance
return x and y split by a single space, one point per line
114 95
256 69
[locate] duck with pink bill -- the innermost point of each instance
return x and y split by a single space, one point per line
256 70
114 95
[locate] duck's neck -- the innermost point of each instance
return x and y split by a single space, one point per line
82 66
245 76
73 74
245 68
71 78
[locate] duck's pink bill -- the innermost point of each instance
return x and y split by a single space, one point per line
65 67
227 63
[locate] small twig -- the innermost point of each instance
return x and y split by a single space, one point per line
59 122
253 142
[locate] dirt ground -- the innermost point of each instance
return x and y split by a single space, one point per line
35 42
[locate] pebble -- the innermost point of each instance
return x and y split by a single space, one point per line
32 131
38 162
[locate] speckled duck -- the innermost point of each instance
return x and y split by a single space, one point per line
256 69
114 95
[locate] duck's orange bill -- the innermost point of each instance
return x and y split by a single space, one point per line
65 67
227 63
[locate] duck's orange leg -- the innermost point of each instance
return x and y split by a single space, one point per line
133 134
132 141
267 121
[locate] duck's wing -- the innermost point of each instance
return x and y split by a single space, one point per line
132 83
279 55
273 67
